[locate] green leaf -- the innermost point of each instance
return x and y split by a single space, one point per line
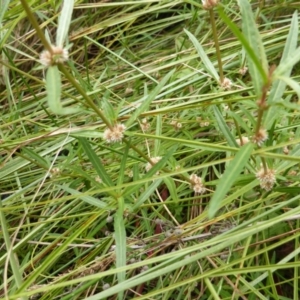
224 128
253 37
53 87
147 193
130 190
120 238
108 109
35 156
88 199
146 103
292 83
95 161
64 22
207 63
279 86
5 5
230 175
287 64
257 64
123 165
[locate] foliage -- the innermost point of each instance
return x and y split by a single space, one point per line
123 170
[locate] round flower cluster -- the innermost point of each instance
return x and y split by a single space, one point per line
266 178
57 55
154 161
260 137
114 134
196 184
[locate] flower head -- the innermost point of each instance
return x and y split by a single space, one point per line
154 161
56 56
209 4
260 137
196 184
226 84
242 142
266 178
145 125
114 134
243 71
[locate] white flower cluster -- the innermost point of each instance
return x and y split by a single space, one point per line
114 134
196 184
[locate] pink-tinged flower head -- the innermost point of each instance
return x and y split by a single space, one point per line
115 134
209 4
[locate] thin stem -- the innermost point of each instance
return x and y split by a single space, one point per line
36 26
84 95
218 52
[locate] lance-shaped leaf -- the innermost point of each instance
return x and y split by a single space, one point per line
64 22
230 175
253 37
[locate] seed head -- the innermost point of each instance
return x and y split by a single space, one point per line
115 134
57 56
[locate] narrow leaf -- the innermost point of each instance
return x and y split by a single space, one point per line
207 63
279 86
53 87
64 22
292 83
88 199
253 37
123 165
229 177
120 238
288 63
146 103
224 128
95 161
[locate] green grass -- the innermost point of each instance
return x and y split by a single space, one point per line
82 218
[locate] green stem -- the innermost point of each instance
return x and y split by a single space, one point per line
236 124
218 52
84 95
36 26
